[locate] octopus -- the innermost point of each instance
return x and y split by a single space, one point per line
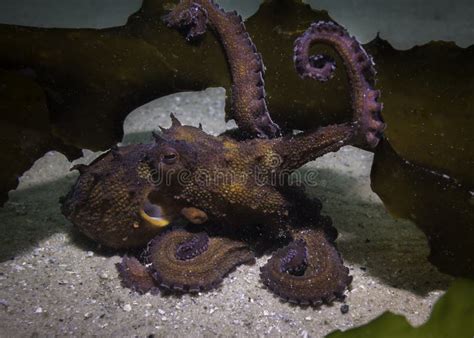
201 205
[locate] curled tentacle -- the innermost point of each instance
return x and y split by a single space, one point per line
193 247
307 271
322 67
188 17
360 70
187 262
295 261
135 275
249 106
190 20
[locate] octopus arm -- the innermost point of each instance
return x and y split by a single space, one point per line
189 262
296 150
367 125
307 271
360 70
135 275
249 106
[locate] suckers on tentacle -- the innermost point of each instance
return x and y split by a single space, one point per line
295 261
212 258
317 275
360 71
193 247
249 106
135 276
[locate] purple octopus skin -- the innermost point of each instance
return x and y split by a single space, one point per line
249 106
295 261
136 276
193 247
309 270
214 258
360 70
321 278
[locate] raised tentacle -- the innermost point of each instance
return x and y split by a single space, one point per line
307 271
360 70
136 276
188 262
296 150
249 107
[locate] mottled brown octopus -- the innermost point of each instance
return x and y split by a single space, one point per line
234 189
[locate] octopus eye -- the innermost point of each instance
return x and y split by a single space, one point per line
170 158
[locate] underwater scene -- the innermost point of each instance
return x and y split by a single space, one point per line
201 168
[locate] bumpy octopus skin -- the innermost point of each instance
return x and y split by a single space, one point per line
183 261
360 69
106 199
185 173
136 276
249 106
307 271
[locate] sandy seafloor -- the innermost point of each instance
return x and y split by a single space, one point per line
54 281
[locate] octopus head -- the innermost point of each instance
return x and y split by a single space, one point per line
114 201
128 195
171 160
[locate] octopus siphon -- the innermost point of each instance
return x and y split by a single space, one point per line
199 203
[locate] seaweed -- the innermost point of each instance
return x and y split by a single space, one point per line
428 94
439 205
451 317
25 131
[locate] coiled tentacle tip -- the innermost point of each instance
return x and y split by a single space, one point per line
359 68
190 21
307 271
135 275
187 262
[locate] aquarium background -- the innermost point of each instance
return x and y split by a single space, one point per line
403 22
